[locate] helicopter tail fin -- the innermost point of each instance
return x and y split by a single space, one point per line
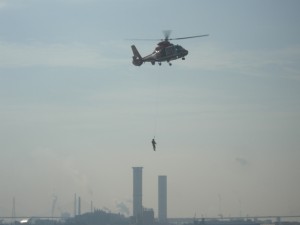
137 59
135 52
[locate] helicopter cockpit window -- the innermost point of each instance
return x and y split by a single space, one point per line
178 48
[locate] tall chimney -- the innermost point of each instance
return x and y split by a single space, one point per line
137 191
75 205
79 205
162 199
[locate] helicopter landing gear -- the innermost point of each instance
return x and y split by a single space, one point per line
153 63
170 64
159 63
183 58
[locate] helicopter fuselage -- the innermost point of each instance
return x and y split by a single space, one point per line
164 52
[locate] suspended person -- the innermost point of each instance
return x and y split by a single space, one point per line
153 144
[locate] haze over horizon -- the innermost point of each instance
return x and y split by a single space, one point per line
76 115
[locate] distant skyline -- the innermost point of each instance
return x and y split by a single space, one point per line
76 115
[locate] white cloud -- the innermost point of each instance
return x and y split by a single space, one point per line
52 55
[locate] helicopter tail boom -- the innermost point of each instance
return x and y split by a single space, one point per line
137 59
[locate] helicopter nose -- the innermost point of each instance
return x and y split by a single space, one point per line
185 52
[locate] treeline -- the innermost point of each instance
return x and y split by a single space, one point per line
98 217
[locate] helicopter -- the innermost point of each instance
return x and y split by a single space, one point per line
164 52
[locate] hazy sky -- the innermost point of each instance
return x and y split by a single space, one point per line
76 115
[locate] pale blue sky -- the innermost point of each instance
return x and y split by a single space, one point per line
76 115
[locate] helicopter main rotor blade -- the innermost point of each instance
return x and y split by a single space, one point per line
204 35
142 39
167 34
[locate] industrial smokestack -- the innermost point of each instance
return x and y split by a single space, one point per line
13 213
79 205
53 205
75 205
162 199
137 191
